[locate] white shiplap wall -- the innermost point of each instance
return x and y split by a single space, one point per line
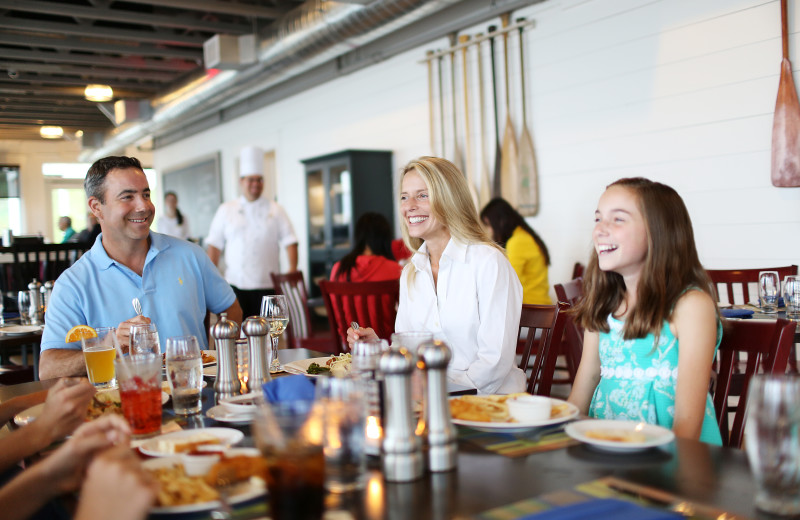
681 91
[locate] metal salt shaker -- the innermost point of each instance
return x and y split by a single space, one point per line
402 453
35 309
435 356
46 290
225 332
256 328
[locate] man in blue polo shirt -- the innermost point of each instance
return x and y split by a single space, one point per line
173 279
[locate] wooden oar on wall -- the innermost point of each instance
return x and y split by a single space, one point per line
786 124
498 152
528 176
441 103
510 159
485 183
458 156
431 105
469 170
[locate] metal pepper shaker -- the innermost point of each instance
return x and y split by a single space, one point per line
402 453
435 356
46 290
225 332
256 329
35 309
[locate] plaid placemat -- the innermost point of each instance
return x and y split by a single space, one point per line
607 487
515 446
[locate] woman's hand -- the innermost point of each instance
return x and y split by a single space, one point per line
359 334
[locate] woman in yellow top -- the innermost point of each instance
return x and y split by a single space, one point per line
525 249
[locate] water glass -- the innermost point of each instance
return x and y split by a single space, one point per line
140 392
144 339
769 291
773 442
344 437
99 354
791 296
185 374
289 436
24 306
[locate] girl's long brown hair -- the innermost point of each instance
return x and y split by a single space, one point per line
671 266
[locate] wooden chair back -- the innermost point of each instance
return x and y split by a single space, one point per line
767 345
577 270
728 279
293 286
370 304
40 261
548 322
570 293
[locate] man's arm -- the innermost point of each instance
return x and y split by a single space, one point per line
59 362
291 253
235 312
214 254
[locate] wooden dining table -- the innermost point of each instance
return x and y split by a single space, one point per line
681 472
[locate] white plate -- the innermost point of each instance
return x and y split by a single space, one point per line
654 435
301 365
210 371
245 491
519 427
226 436
18 330
241 404
29 415
222 414
212 353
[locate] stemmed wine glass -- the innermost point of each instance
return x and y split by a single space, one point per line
276 309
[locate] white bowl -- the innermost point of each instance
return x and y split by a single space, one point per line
529 408
240 404
196 464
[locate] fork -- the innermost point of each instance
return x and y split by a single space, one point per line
137 306
225 510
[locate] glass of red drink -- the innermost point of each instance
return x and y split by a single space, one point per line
139 379
289 436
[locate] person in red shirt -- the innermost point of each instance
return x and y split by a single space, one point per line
371 259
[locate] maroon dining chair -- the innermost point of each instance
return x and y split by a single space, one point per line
547 322
767 345
370 304
570 293
300 333
728 279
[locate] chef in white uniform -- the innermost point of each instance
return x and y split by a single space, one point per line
251 230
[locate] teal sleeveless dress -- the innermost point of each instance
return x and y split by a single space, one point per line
637 382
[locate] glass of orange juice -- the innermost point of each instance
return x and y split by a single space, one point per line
99 354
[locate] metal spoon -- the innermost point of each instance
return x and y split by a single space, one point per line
137 306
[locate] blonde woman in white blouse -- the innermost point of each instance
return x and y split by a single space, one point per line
173 222
458 284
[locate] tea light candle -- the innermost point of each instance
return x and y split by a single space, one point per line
374 434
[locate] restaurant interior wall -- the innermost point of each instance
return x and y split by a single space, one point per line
681 91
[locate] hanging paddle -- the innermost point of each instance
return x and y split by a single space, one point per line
528 181
469 172
509 165
498 151
431 107
458 157
485 183
441 102
786 124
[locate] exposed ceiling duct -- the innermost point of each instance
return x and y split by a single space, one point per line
312 34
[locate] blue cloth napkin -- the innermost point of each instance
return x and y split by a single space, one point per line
736 313
289 388
603 508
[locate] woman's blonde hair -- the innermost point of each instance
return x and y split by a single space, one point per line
451 203
671 266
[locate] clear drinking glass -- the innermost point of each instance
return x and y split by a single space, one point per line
344 438
144 339
276 309
773 442
99 354
24 305
140 392
185 374
769 291
791 296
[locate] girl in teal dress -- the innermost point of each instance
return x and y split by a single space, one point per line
652 326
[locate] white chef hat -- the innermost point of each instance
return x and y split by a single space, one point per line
251 161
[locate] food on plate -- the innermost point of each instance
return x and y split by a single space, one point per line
80 331
616 435
337 366
176 488
104 403
491 408
184 444
207 358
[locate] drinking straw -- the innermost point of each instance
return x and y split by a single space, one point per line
122 363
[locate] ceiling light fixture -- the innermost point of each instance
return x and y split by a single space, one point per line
98 93
51 132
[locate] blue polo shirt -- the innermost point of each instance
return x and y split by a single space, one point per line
178 284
